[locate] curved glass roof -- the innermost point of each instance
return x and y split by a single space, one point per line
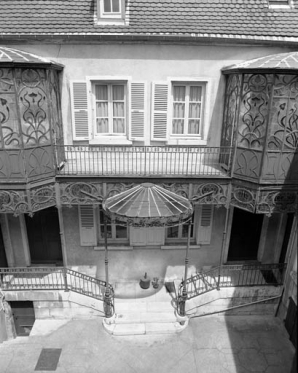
281 61
15 56
148 205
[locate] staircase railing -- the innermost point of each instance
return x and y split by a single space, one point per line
233 276
52 278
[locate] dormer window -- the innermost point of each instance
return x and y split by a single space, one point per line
111 9
279 3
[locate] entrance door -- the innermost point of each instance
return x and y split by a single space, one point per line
245 235
44 237
3 260
23 316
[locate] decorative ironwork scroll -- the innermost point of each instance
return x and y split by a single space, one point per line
219 196
33 105
231 109
72 193
14 202
42 197
9 123
284 114
254 109
116 188
243 198
281 201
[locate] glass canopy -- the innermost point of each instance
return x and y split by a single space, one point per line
148 205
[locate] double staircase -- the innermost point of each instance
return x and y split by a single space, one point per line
143 312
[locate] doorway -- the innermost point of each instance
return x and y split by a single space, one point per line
23 316
245 235
44 237
3 259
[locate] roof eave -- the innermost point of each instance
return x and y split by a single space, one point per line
150 37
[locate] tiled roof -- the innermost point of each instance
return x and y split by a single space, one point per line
283 61
247 18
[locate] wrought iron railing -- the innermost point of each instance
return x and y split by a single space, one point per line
146 161
52 278
233 276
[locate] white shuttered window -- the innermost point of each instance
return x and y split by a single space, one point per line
204 228
80 120
88 229
160 111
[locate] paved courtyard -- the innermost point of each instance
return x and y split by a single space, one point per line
211 344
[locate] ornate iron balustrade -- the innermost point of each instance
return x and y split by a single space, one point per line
234 276
146 161
52 278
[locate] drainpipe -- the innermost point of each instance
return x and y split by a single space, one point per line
108 298
223 246
62 235
183 298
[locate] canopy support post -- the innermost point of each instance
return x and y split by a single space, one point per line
183 297
108 297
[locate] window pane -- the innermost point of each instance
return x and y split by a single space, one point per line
116 6
178 125
179 93
195 93
102 125
102 109
118 93
107 5
101 92
118 125
179 110
172 232
194 127
194 111
185 231
118 109
102 231
121 232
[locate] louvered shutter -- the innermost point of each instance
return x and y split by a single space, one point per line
205 224
80 121
160 111
88 231
137 110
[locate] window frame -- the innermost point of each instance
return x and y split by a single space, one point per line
179 239
187 85
111 15
99 135
113 238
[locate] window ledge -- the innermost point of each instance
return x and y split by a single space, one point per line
179 247
186 142
110 140
110 21
119 248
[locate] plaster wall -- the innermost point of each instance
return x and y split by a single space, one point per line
151 63
130 265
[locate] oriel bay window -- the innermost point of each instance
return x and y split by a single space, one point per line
110 109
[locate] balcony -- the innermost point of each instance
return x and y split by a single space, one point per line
146 161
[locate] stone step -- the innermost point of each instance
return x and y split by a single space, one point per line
145 317
143 328
17 340
139 306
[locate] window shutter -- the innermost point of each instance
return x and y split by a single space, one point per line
160 111
88 231
137 110
79 98
205 224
